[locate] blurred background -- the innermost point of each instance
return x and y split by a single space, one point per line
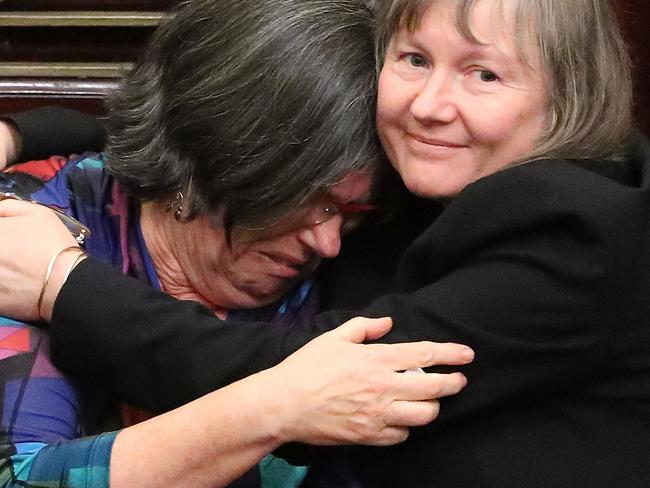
70 52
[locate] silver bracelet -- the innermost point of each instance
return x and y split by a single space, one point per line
48 274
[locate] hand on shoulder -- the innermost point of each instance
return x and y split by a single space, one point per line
336 390
32 236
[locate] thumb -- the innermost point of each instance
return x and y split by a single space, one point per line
360 329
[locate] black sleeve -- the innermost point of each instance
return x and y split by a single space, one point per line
154 351
61 131
507 276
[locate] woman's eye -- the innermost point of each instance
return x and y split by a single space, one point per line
487 76
416 60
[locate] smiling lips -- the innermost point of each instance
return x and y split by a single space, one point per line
435 143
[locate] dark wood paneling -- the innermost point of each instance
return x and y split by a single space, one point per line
90 44
50 50
19 104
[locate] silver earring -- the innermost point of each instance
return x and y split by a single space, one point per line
176 206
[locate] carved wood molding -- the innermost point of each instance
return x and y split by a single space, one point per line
55 87
113 5
64 70
80 19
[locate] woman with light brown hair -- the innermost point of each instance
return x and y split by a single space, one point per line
516 116
232 169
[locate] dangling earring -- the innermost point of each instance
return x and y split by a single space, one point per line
176 206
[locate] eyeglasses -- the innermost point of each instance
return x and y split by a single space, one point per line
319 210
76 228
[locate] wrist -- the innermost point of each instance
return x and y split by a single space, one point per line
62 266
272 407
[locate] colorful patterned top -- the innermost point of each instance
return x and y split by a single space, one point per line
41 426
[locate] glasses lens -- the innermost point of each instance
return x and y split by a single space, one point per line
320 213
319 210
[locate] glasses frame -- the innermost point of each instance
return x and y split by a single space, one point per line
327 208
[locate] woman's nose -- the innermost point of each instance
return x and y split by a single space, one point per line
325 238
435 101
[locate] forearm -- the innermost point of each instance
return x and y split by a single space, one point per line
332 391
206 443
137 333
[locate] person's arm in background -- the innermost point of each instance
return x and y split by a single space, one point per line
42 132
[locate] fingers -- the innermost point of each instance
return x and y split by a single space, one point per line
411 414
425 389
10 207
33 220
413 355
402 356
362 396
388 436
360 329
427 386
377 328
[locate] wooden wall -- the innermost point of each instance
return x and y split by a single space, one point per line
71 51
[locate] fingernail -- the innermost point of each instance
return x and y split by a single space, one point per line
467 354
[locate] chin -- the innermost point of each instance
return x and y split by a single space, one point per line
259 297
436 182
429 188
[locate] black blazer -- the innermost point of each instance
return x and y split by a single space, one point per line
541 268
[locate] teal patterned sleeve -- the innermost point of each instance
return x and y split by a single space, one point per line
80 463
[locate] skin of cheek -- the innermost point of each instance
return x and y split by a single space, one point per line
254 276
250 272
497 137
510 139
496 123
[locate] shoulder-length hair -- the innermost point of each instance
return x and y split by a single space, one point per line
586 64
250 106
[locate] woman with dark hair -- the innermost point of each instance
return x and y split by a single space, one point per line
232 168
516 115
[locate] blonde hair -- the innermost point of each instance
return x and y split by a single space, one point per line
585 60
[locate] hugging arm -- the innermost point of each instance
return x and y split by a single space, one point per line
228 431
509 294
215 439
506 290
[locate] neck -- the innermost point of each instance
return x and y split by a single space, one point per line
164 238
